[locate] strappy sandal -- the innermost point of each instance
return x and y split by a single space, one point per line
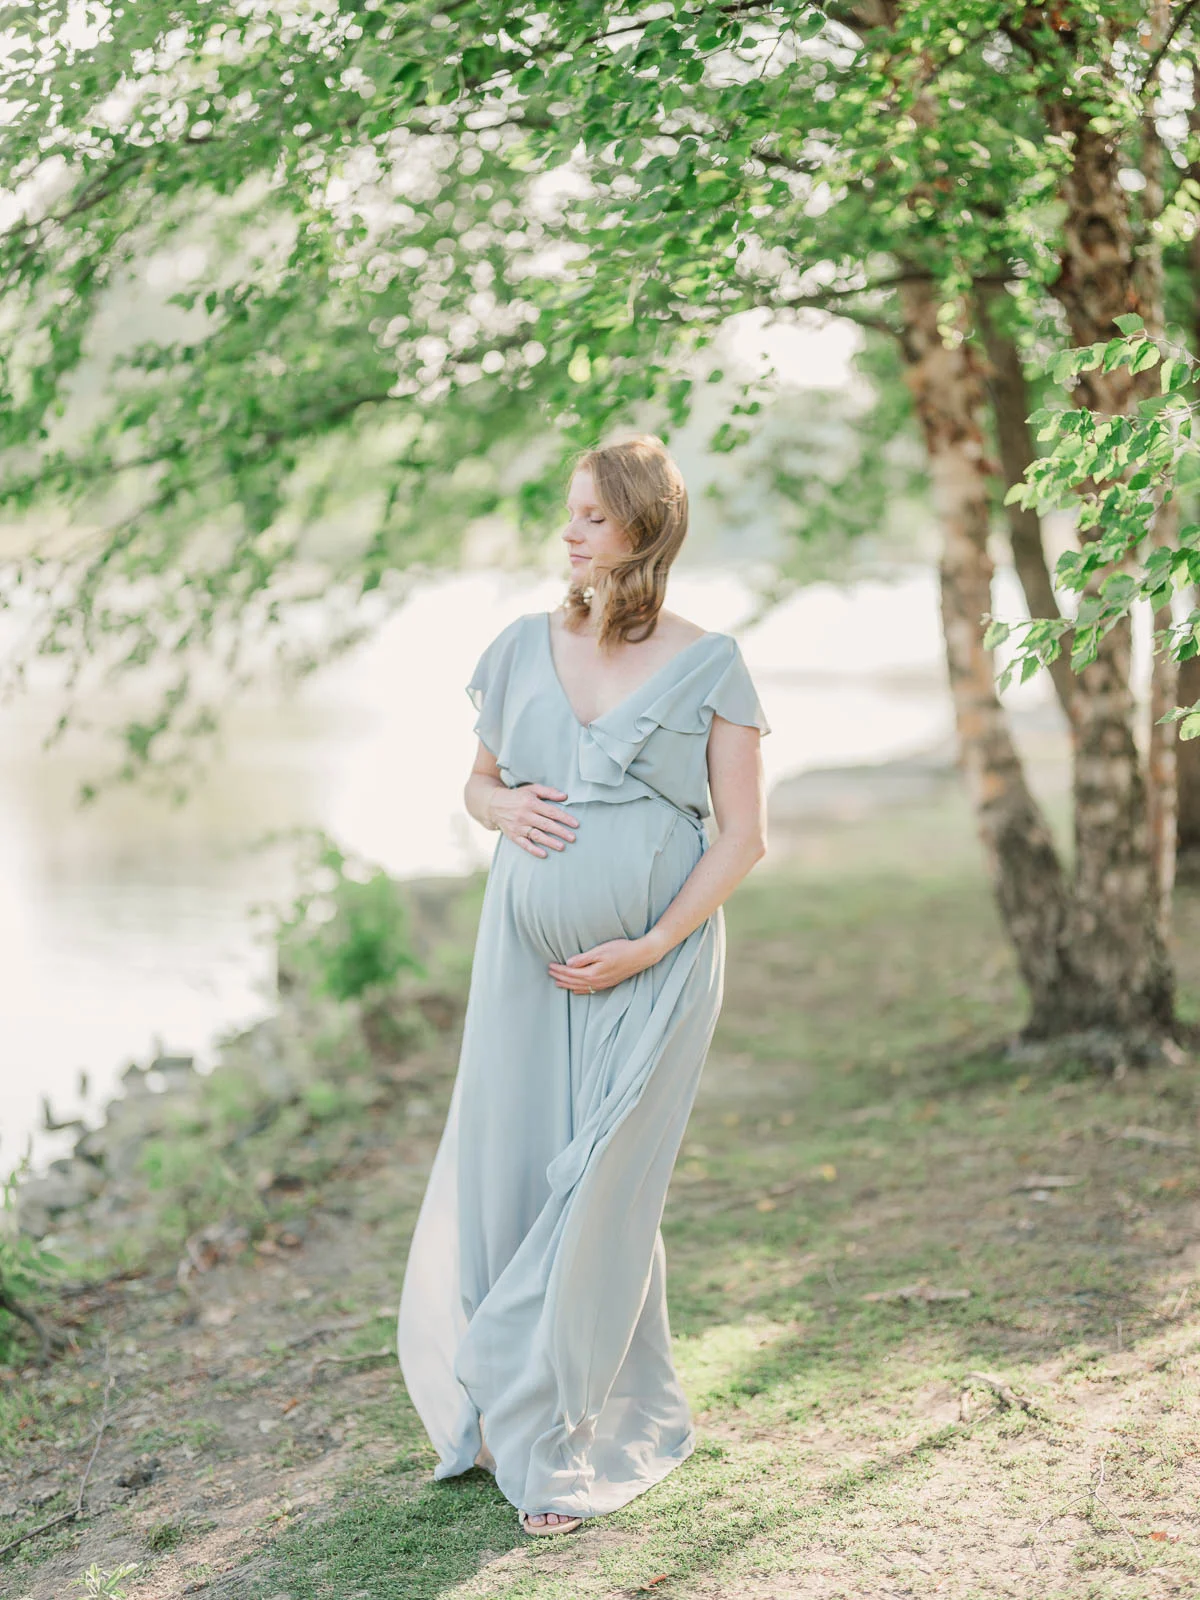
548 1527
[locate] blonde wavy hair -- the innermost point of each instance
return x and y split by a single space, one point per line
640 489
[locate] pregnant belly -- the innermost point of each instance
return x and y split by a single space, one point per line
626 864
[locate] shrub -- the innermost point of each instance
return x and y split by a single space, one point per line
27 1267
349 927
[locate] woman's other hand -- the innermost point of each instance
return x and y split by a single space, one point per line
527 816
605 965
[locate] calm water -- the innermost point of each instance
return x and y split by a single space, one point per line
127 926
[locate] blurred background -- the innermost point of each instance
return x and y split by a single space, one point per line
130 926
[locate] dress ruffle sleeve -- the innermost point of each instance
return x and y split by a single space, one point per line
728 690
734 697
487 686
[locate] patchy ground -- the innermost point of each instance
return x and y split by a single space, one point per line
938 1314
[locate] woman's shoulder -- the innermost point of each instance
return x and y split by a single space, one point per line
678 629
499 656
513 630
682 632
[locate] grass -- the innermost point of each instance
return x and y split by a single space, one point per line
859 1133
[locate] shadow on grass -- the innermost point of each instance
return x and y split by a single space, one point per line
385 1545
389 1544
864 1131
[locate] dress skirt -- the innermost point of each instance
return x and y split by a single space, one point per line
534 1299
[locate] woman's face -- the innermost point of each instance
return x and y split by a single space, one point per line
592 541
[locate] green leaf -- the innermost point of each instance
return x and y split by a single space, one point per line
1129 322
996 634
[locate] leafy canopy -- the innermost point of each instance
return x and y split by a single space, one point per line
294 294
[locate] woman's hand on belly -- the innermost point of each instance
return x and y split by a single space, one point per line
528 817
605 965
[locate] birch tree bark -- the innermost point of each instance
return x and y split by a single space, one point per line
946 382
1187 762
1011 406
1122 973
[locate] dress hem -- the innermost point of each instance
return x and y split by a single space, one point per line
664 1466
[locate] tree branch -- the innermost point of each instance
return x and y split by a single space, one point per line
49 1339
1180 19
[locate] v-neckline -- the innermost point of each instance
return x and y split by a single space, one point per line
645 683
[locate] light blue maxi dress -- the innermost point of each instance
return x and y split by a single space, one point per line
534 1297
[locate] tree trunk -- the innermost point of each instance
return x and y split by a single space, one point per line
1010 409
1118 927
1092 952
1117 940
947 388
1162 740
1096 277
1187 753
1162 744
1187 762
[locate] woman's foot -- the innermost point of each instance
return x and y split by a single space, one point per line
485 1459
543 1522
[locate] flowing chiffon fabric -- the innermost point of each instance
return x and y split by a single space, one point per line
534 1297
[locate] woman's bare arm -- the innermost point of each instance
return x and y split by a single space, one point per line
482 784
516 812
738 785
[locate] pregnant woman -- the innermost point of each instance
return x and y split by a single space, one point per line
533 1333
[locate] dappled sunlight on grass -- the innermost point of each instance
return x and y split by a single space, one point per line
854 1235
918 1293
717 1366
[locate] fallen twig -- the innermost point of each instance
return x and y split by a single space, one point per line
918 1291
734 1202
1109 1509
1173 1141
1006 1396
349 1361
325 1330
912 1561
1053 1517
1052 1180
76 1510
68 1290
964 1410
1089 1494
